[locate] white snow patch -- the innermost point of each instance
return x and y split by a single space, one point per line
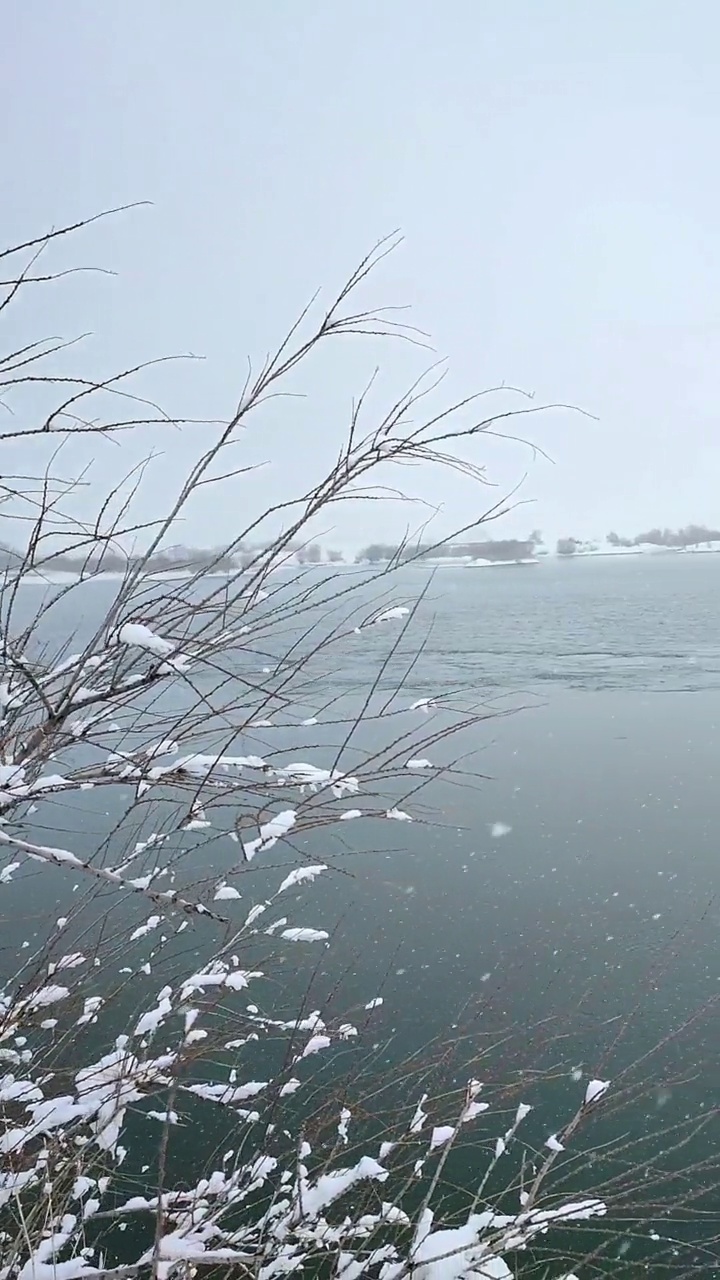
440 1135
314 1045
139 636
345 1118
271 832
301 874
499 829
595 1090
330 1186
225 892
305 935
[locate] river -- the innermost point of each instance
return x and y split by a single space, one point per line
570 891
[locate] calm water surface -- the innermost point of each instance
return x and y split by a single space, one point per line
604 773
598 907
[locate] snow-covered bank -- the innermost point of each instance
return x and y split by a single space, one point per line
447 562
491 564
35 577
590 550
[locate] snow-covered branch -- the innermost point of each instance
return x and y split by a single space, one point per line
170 1099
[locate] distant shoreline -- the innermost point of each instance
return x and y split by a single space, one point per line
38 578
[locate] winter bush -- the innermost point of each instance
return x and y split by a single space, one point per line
170 1100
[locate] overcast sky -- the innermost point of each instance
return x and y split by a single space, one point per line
552 165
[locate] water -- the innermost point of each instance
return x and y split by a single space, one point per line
635 624
591 927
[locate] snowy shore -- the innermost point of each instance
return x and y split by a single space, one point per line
583 551
587 550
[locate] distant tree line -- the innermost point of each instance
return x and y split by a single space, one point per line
693 535
176 559
500 549
315 554
173 559
567 546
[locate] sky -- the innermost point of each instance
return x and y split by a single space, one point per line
551 167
